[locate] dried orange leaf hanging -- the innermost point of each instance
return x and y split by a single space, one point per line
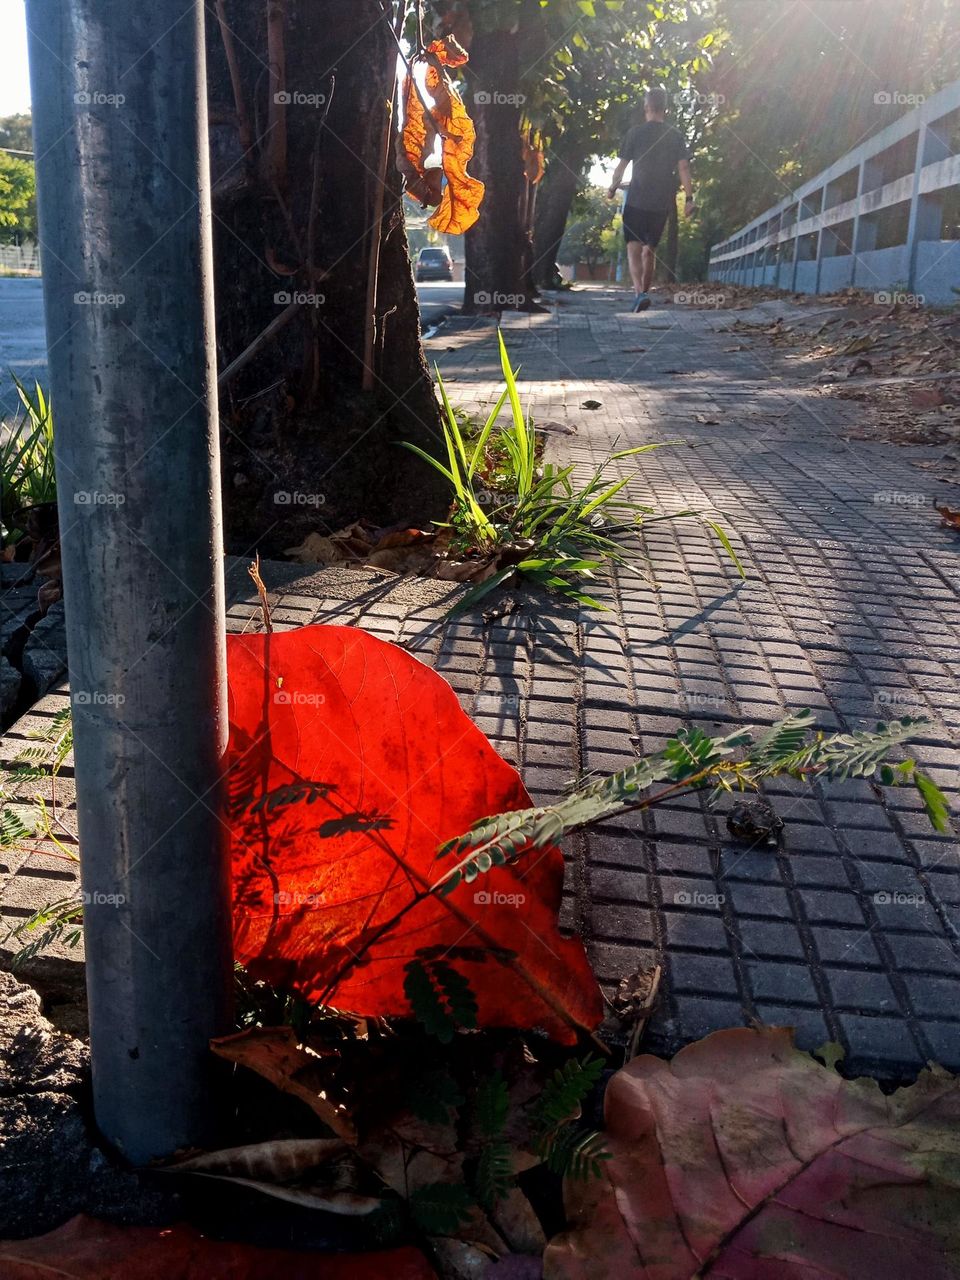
459 200
415 146
534 165
350 764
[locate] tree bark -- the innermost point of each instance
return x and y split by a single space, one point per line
305 447
669 259
497 247
557 190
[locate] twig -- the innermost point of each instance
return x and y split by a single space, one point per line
254 572
257 345
233 66
376 237
275 158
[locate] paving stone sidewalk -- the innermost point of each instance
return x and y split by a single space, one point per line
852 607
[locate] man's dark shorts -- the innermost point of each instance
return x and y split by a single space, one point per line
645 225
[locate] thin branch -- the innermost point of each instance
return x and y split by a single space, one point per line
275 158
257 345
233 65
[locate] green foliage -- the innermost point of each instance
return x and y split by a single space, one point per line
493 1178
440 997
491 1105
692 760
60 921
434 1097
564 1093
569 1148
26 457
18 199
575 1152
439 1207
587 237
542 521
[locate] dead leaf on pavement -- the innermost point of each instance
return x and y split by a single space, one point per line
949 517
85 1249
273 1052
315 1173
927 397
743 1157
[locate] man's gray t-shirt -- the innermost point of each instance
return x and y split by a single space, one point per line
656 148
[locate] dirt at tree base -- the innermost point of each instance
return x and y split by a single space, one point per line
50 1164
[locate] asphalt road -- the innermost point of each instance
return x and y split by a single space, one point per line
23 346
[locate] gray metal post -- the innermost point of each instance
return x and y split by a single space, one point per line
120 138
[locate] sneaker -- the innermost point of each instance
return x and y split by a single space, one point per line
641 302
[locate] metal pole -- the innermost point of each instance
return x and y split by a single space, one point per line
124 196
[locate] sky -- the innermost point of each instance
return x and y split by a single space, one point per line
14 77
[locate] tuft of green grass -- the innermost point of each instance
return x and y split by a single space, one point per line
545 522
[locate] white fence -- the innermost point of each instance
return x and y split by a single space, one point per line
20 257
883 217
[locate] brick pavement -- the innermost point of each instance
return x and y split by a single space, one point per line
852 607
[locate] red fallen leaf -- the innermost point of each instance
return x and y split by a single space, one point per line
85 1249
745 1159
949 517
350 764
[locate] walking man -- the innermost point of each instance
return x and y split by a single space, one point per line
658 152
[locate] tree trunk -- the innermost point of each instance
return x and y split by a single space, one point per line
557 190
669 259
305 447
497 247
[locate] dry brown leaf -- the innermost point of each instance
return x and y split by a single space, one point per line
273 1052
743 1157
949 517
310 1172
85 1249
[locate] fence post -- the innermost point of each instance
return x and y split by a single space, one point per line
120 124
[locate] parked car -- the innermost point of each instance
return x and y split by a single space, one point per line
434 264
